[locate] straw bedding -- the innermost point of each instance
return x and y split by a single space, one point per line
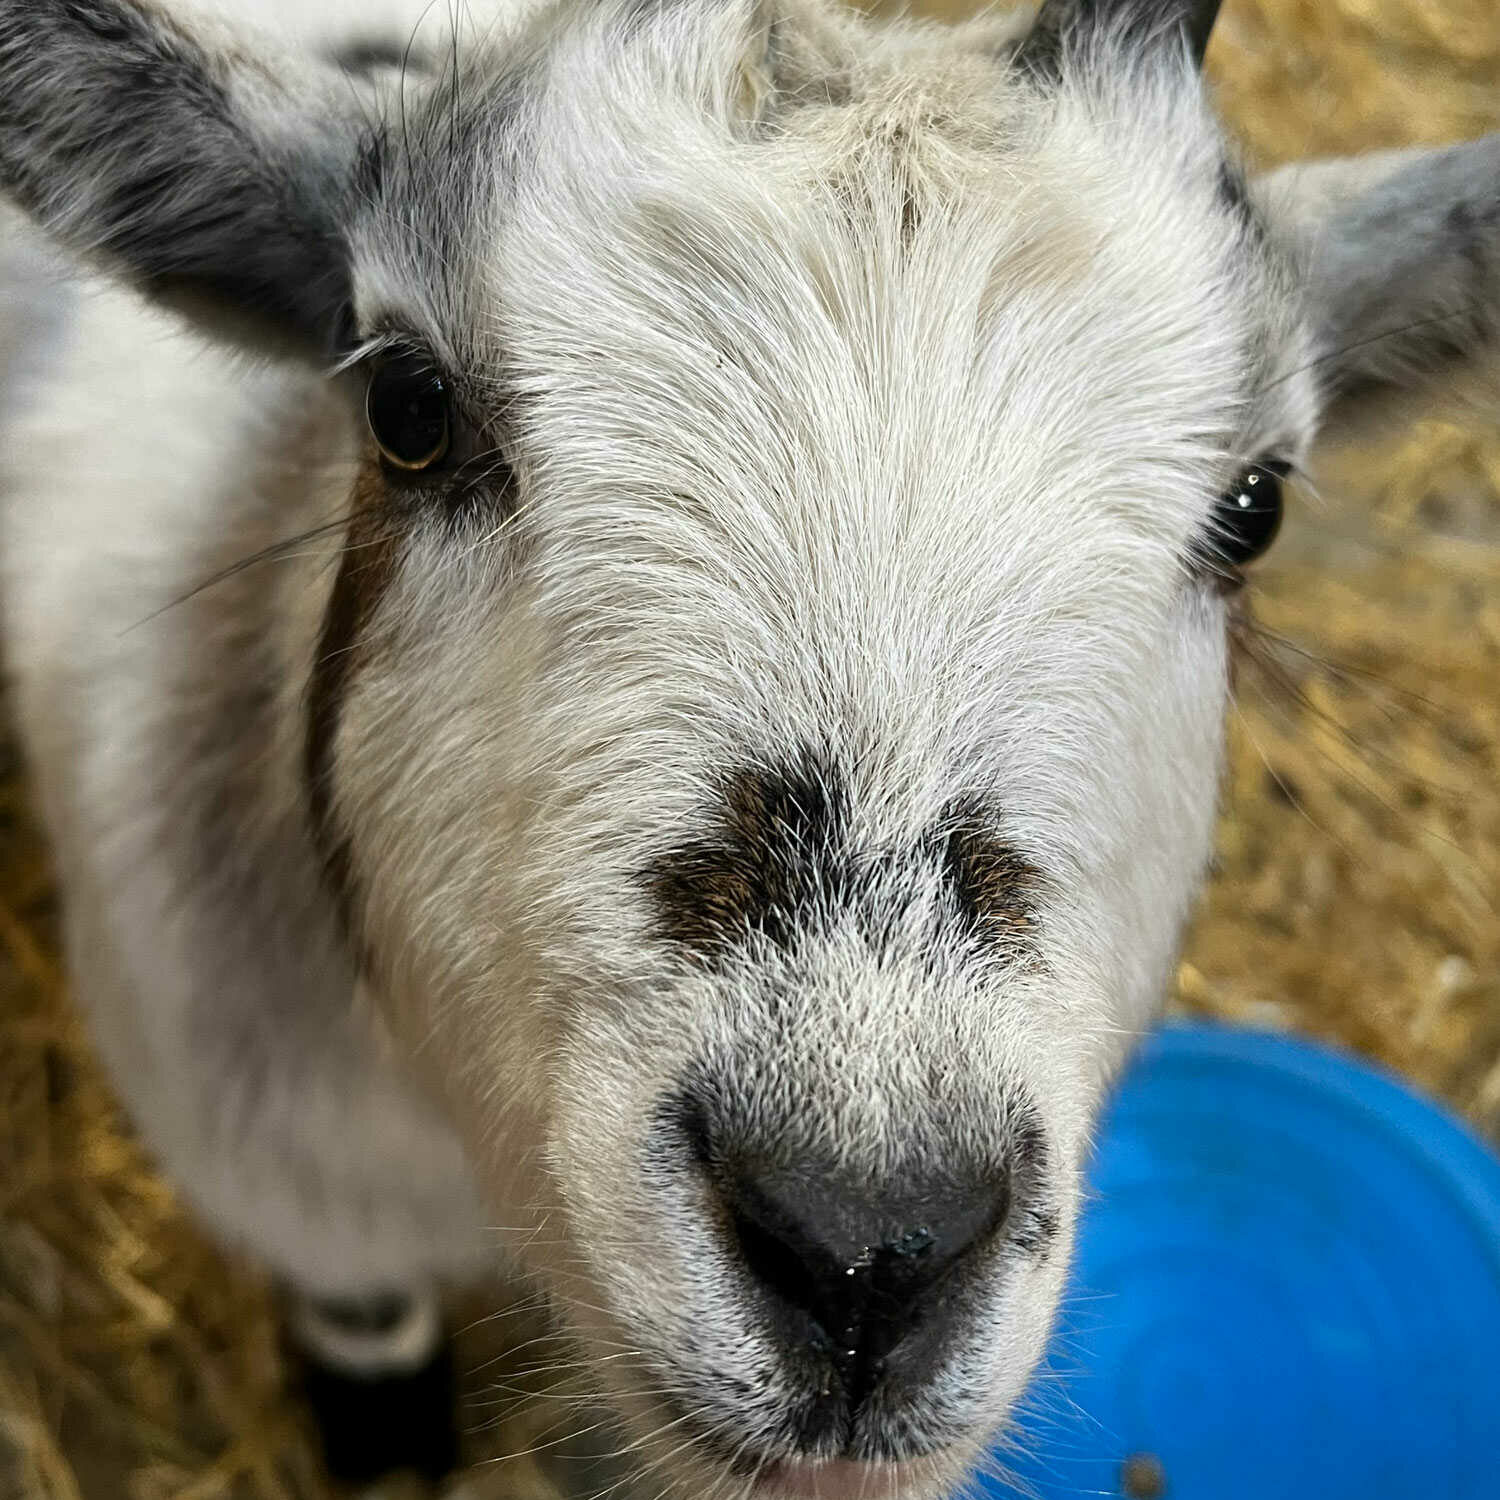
1358 866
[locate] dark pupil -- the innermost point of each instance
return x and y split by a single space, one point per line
1247 517
407 407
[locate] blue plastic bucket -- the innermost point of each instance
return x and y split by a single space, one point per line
1287 1288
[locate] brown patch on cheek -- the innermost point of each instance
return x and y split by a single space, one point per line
366 567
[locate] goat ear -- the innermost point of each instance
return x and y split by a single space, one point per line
1145 23
213 182
1402 250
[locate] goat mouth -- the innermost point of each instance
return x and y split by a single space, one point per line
784 1468
935 1470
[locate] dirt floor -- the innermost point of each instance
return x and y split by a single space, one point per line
1359 861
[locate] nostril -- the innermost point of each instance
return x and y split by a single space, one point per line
782 1267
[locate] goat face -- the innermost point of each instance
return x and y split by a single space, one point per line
777 782
764 733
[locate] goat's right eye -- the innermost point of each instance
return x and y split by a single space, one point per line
407 408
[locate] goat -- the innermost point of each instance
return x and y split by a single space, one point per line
623 628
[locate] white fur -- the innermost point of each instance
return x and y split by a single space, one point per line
785 476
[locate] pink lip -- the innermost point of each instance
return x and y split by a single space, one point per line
837 1479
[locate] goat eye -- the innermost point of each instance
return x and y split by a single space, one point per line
406 406
1247 516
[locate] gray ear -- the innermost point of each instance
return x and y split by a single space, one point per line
1061 24
214 182
1402 254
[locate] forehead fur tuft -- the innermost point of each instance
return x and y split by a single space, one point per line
618 122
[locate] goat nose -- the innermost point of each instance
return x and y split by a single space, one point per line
860 1267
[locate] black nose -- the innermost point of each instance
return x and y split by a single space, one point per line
858 1267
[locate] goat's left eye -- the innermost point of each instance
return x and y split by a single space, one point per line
1247 516
408 411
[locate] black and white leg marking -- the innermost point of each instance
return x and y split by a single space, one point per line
378 1374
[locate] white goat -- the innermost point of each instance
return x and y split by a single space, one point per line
716 777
